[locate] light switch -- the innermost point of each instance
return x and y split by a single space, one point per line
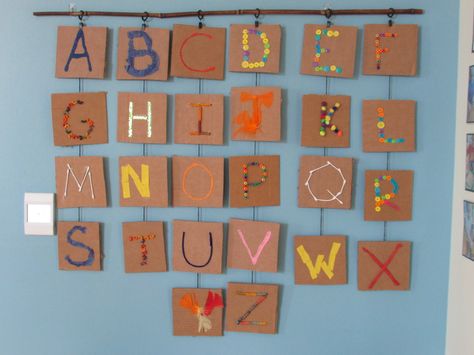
39 213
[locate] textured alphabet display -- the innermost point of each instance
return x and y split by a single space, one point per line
198 182
81 52
197 312
329 51
197 246
326 121
254 181
255 113
144 247
384 266
252 308
141 118
143 53
79 118
80 182
199 119
143 181
390 50
320 260
325 182
388 195
253 245
255 49
388 125
198 52
79 246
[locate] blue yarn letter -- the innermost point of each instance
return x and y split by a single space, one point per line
75 243
74 55
134 53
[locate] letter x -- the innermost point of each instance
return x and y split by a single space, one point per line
384 266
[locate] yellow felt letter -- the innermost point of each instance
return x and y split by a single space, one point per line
320 264
142 185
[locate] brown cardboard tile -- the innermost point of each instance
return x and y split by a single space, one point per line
143 54
79 118
253 245
320 260
81 52
325 182
143 181
198 52
384 266
263 194
142 118
197 246
144 247
340 60
80 182
261 45
391 205
400 56
79 246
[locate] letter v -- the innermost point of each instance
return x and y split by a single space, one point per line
254 258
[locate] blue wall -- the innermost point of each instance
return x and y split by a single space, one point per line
45 311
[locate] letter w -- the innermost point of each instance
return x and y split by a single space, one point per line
142 185
315 269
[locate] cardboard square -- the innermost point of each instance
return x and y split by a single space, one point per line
253 245
197 246
199 119
325 182
79 118
198 52
320 260
315 133
339 61
394 201
197 312
384 266
143 181
402 55
141 118
255 50
252 308
79 246
144 247
388 125
143 54
198 182
251 191
256 113
80 182
81 52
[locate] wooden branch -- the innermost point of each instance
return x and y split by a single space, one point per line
163 15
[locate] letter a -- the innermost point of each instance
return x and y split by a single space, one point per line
74 55
133 53
142 185
321 264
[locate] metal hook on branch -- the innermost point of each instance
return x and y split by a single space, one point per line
257 15
200 17
390 15
328 14
145 18
81 18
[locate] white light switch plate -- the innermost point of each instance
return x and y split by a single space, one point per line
39 213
